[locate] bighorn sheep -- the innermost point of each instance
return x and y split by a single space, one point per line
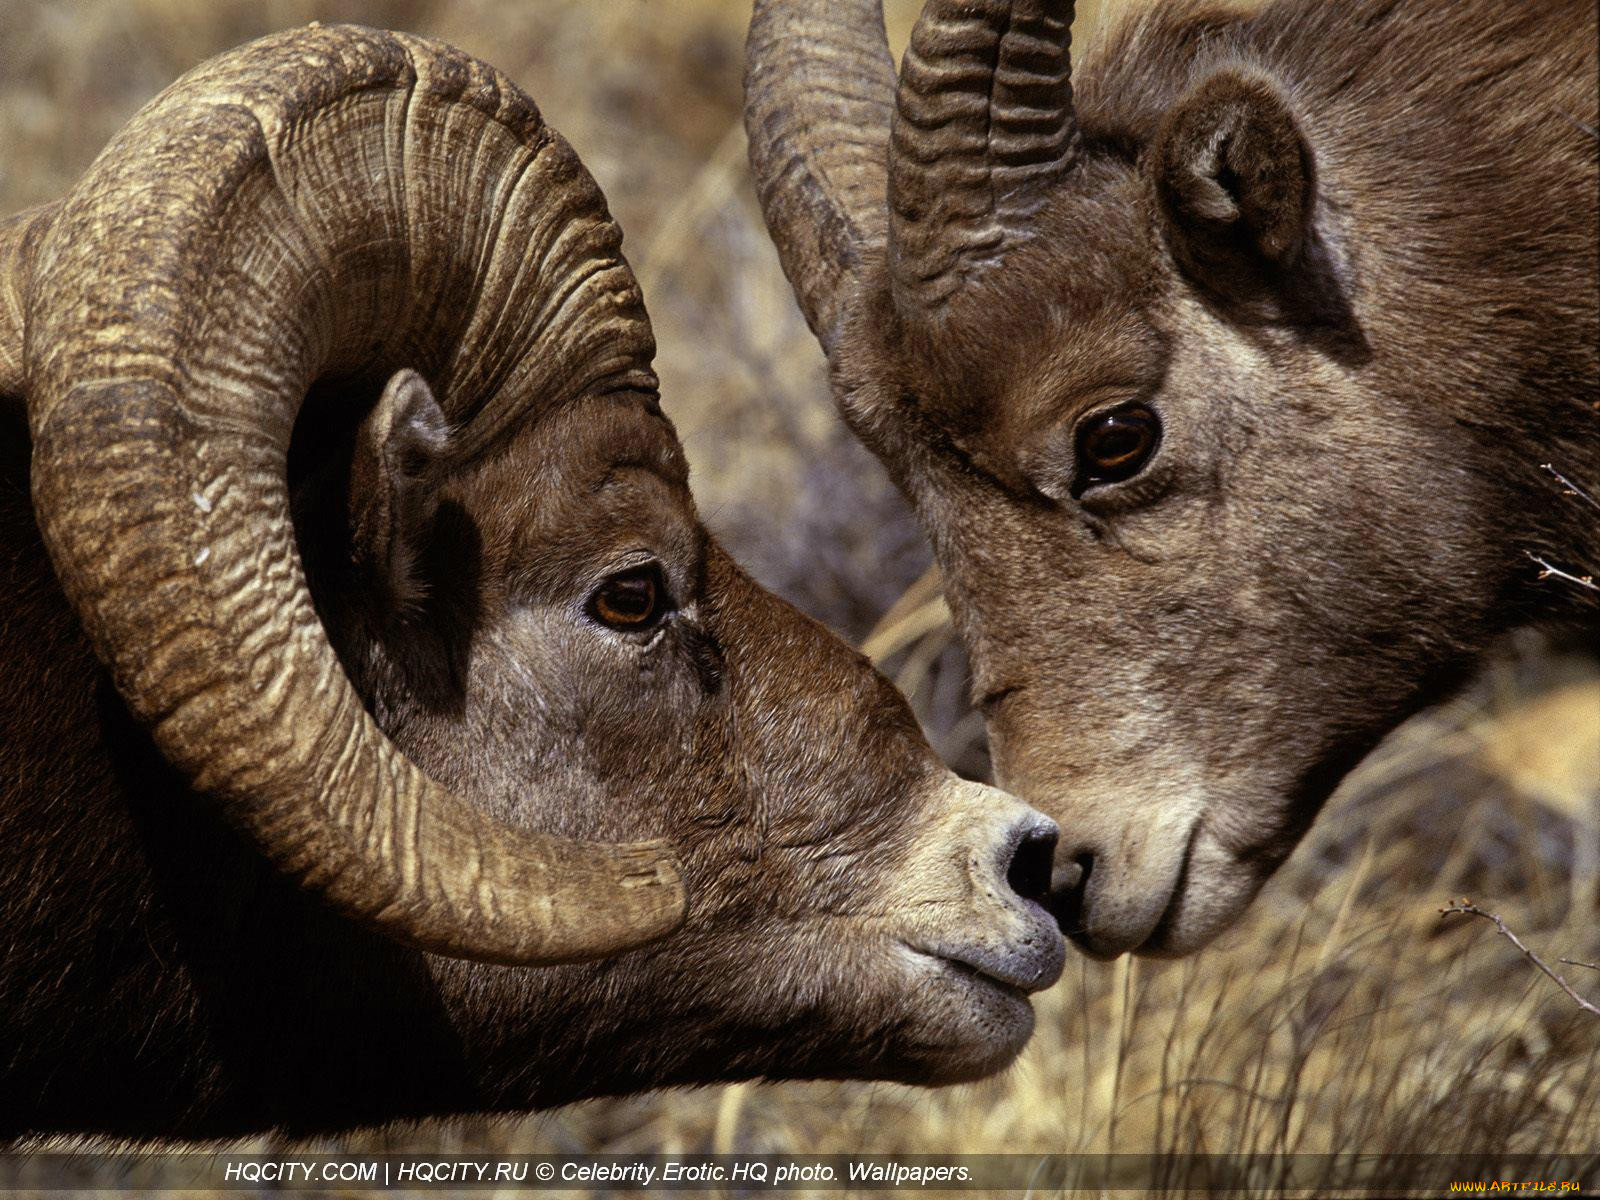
347 462
1220 371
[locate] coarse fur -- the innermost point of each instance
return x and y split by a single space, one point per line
854 910
1346 253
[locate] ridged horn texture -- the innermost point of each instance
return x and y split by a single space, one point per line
819 95
983 128
19 244
328 202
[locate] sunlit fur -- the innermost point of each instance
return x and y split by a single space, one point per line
159 979
1348 253
326 406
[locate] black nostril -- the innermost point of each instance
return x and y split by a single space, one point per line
1029 873
1068 884
1073 875
1085 864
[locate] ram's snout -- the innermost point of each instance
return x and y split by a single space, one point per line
973 899
987 914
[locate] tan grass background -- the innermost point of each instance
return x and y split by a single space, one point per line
1342 1014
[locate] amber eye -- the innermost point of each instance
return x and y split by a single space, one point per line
1113 446
632 600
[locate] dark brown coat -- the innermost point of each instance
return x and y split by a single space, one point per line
362 647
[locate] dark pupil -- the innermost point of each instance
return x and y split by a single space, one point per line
1116 445
629 600
1117 440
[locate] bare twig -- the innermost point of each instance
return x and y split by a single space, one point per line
1470 909
1547 571
1582 126
1572 488
1573 962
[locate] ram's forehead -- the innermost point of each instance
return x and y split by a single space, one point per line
620 431
574 446
609 467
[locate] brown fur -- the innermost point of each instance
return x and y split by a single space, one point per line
1347 252
159 979
853 909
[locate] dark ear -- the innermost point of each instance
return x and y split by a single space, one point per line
1235 181
393 486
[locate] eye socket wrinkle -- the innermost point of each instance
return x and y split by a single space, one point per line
705 653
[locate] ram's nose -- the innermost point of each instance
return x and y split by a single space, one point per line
987 916
1015 940
1032 859
1069 882
1032 953
1105 907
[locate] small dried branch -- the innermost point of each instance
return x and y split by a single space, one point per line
1546 571
1571 488
1466 907
1573 962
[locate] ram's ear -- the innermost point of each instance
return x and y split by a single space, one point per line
394 486
1235 181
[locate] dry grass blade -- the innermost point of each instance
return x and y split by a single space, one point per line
715 183
921 610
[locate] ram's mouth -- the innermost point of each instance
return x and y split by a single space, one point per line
1210 889
969 975
1069 914
967 971
967 1022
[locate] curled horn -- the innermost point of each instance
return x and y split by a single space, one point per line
819 94
332 202
983 128
19 243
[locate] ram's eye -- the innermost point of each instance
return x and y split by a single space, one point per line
1113 446
631 600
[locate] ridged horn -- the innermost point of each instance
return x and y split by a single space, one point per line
329 202
983 128
819 94
19 244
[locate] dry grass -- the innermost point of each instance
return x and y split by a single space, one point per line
1341 1014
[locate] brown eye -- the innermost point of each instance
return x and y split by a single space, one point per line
631 601
1115 445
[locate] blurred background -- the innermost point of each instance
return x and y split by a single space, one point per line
1343 1014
